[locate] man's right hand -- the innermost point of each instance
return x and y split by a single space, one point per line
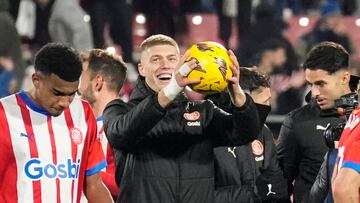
178 81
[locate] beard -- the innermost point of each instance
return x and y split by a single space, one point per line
88 95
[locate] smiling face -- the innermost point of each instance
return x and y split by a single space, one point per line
157 64
52 93
326 88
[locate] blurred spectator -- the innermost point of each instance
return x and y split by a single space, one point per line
271 56
286 88
261 47
328 28
118 15
294 5
228 10
348 7
266 27
160 16
10 46
14 8
6 67
42 36
355 65
68 24
62 21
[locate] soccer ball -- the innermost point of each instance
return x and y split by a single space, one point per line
213 67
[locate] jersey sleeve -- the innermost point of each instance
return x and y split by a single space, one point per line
96 159
352 151
352 158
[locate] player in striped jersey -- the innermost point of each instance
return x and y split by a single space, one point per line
49 151
346 176
101 80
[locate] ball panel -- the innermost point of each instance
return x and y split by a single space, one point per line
213 67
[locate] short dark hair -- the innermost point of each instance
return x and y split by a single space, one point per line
327 56
252 79
59 59
108 65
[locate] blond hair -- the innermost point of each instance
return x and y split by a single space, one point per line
158 39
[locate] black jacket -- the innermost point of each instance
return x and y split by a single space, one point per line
244 176
270 181
168 152
240 177
235 174
321 189
302 147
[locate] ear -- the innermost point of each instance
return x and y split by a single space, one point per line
99 82
346 77
35 80
141 69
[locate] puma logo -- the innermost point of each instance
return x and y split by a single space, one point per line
232 151
270 192
320 127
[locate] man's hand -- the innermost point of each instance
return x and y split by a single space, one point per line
236 93
183 69
178 80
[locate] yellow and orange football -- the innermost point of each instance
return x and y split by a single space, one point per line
213 67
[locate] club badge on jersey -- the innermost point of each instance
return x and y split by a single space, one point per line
76 136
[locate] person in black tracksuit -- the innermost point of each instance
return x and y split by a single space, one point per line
250 173
163 142
302 146
321 190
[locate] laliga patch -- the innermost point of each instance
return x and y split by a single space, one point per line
257 148
192 116
76 136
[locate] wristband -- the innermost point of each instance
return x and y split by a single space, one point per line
184 69
172 89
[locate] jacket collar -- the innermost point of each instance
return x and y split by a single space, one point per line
326 112
142 90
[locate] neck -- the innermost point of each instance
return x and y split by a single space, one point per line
31 94
100 104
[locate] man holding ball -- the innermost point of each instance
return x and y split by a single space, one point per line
166 142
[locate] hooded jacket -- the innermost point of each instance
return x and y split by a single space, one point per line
166 154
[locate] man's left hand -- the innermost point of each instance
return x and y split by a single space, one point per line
236 93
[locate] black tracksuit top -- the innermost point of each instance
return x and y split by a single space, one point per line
166 154
302 147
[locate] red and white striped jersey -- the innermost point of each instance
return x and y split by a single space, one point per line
108 173
45 158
